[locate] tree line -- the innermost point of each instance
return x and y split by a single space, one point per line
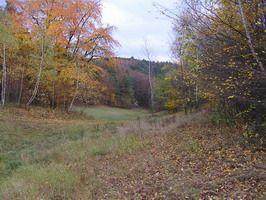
220 46
127 80
48 48
58 54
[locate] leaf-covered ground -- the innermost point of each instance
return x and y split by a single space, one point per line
193 162
49 155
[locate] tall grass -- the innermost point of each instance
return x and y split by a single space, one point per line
37 182
44 161
55 172
111 114
48 161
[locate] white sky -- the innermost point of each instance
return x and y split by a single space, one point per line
137 21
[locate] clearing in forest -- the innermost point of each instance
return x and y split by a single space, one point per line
110 153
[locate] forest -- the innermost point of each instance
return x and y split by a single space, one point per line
78 121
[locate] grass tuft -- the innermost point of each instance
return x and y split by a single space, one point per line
35 181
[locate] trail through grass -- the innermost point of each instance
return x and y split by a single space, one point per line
110 153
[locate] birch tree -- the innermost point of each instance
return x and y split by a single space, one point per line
74 27
6 41
249 39
148 56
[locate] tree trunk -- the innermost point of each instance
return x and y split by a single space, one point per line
181 56
148 54
244 21
54 93
151 86
21 86
74 98
76 91
197 95
53 102
4 76
197 85
38 78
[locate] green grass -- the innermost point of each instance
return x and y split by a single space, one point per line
36 182
49 156
97 145
115 144
39 156
112 114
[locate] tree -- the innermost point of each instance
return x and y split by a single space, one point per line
225 41
69 35
6 40
250 43
148 55
37 18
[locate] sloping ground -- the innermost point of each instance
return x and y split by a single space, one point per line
196 161
162 157
38 146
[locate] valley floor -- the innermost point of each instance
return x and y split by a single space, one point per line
109 153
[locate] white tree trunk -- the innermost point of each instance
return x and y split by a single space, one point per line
38 78
76 91
74 97
4 76
21 86
244 21
151 86
197 86
148 54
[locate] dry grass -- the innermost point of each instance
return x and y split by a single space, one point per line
160 124
159 157
112 114
41 150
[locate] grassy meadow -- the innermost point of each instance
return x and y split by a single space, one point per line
112 114
40 147
111 153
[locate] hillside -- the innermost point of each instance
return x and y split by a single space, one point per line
133 64
127 79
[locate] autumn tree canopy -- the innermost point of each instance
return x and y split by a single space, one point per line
220 46
57 42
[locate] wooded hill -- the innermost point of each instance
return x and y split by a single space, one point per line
127 80
59 54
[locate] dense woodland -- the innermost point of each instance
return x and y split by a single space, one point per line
59 54
48 48
127 80
221 49
63 55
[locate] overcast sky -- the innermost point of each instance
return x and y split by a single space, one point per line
137 21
